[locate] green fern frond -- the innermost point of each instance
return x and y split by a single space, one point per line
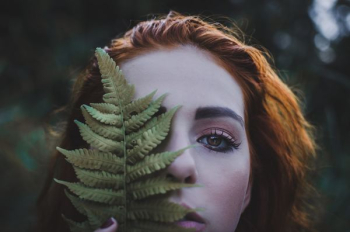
94 194
151 163
96 208
110 119
146 226
153 186
78 226
150 139
136 121
157 210
94 159
163 120
106 131
138 105
95 220
99 179
117 174
78 203
98 141
106 108
117 91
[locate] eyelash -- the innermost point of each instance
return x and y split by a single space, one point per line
232 144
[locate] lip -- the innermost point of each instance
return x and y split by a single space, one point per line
191 220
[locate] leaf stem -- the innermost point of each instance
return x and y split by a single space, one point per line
124 151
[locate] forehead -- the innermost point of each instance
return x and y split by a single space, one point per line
188 74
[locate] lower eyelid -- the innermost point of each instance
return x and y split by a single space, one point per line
219 150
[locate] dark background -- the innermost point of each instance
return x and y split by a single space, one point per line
44 44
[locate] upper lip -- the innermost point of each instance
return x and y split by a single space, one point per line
192 216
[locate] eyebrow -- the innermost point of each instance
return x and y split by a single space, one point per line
216 112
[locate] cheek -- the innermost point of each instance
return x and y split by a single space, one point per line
226 184
230 185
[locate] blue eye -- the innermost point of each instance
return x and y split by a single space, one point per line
220 142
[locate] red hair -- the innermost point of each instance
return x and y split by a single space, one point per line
280 139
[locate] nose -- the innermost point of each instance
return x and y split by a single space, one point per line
183 168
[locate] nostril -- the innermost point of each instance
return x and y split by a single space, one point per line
188 179
172 178
183 169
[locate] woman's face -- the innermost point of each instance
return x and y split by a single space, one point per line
211 116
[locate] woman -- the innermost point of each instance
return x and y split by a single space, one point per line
255 144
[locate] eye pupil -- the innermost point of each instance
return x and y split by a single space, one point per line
214 140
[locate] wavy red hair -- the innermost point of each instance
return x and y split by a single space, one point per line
281 142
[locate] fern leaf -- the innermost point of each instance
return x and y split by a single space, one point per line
110 119
98 141
162 120
95 220
77 203
157 210
106 108
151 139
94 159
106 131
77 226
114 84
97 208
138 105
99 195
124 90
151 164
136 121
146 226
153 186
99 179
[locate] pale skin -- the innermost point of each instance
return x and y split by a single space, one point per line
221 161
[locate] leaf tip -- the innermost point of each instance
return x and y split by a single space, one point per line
199 209
78 123
99 50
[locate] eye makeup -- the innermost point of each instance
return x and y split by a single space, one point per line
218 139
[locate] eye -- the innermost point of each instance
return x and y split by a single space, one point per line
214 140
218 140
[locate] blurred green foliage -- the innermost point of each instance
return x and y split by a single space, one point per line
45 44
